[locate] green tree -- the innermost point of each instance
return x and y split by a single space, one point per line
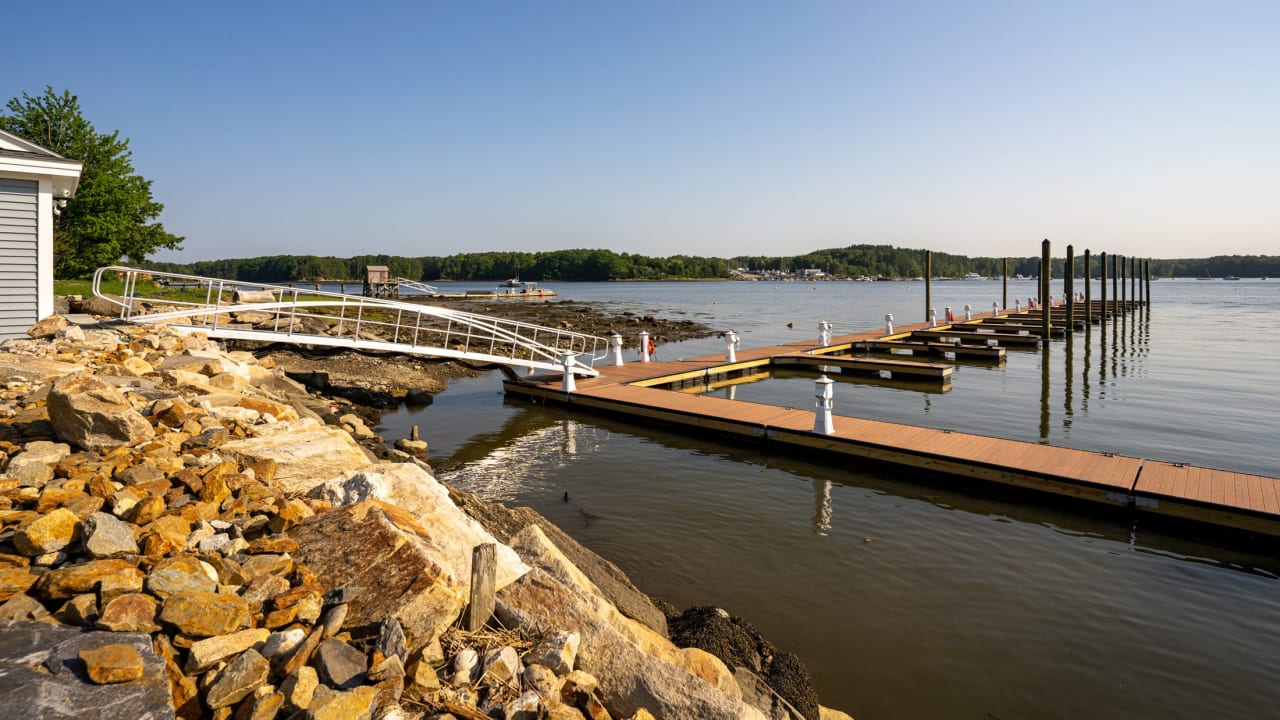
113 214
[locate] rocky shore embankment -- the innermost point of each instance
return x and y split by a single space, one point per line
185 532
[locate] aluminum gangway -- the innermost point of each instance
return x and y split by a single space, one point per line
236 310
425 289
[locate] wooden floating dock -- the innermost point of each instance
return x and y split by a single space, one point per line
1216 497
993 353
897 369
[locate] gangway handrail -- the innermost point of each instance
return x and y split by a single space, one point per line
233 309
421 287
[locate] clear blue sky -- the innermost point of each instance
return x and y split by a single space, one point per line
710 128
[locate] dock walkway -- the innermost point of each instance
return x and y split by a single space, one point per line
633 390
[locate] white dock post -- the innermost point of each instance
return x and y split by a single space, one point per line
644 346
948 314
888 323
933 317
824 393
730 346
995 308
824 333
567 360
1017 305
968 312
616 339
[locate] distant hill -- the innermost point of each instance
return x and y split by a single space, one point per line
596 265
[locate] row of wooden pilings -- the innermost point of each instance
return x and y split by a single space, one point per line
1130 284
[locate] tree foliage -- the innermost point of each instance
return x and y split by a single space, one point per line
113 214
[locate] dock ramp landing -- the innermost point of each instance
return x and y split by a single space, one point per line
236 310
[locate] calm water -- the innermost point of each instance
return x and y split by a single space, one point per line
914 596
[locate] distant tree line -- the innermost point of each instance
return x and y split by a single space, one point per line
877 261
584 265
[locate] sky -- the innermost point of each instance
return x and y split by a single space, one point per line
1143 128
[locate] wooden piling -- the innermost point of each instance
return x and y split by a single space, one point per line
928 280
1102 267
484 573
1088 289
1045 302
1069 287
1004 301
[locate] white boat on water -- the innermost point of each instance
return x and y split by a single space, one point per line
973 276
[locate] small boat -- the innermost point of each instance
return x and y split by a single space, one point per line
512 283
974 276
1230 277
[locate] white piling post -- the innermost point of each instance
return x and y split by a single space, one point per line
933 317
616 339
568 361
1017 305
968 312
948 315
824 333
888 323
644 346
995 308
824 395
730 346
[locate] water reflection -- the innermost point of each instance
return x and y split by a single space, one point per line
821 507
533 453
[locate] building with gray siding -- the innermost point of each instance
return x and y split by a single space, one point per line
34 183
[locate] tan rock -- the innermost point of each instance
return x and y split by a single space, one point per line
826 713
300 687
237 680
34 369
355 704
206 653
182 689
263 406
94 415
175 574
205 614
147 509
113 586
71 580
112 663
453 533
48 533
47 327
303 459
378 550
80 610
130 612
14 580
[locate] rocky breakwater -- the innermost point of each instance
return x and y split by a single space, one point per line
181 536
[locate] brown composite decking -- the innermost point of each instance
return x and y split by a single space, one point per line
1249 502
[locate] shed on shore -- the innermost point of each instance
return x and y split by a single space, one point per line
34 185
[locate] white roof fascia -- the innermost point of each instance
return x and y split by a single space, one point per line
65 174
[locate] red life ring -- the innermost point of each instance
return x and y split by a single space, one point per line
652 347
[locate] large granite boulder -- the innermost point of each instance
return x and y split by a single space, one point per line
92 414
43 676
34 369
637 668
453 534
505 523
305 452
380 554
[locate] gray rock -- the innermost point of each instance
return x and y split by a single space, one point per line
757 693
339 665
525 707
43 676
502 665
106 536
333 619
541 680
391 641
236 681
34 465
91 414
283 643
557 651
